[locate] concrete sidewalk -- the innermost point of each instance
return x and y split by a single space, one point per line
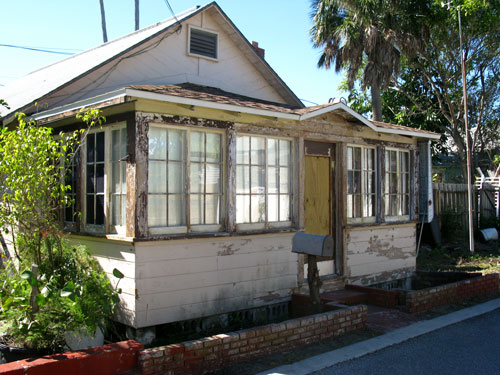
360 349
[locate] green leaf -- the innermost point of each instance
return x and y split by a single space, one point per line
8 302
41 300
29 277
118 274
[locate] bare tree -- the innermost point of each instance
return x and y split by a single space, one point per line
103 22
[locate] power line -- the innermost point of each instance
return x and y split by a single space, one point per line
37 49
171 10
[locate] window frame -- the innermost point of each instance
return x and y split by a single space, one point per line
203 30
363 194
106 227
266 224
399 194
188 227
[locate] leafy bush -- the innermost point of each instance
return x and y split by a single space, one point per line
79 297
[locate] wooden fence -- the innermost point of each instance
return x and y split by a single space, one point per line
450 204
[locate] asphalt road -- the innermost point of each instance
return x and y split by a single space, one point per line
468 347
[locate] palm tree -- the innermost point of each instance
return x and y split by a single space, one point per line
103 22
365 36
136 14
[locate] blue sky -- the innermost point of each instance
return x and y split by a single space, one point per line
281 27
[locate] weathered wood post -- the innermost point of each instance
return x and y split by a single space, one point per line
313 245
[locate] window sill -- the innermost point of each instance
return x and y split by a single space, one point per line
384 224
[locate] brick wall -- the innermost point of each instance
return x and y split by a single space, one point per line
211 353
109 359
426 299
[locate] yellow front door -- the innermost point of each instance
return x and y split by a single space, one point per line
317 200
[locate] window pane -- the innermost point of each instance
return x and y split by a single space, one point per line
99 146
157 207
116 180
212 209
284 180
242 180
242 208
99 169
213 179
272 146
350 182
118 144
356 182
90 209
272 180
176 214
349 158
349 206
213 152
175 177
157 143
258 180
405 205
285 152
115 210
91 148
285 208
157 179
196 178
258 150
357 158
394 161
196 209
243 150
175 144
394 183
258 208
197 146
357 205
90 179
124 176
99 210
272 208
404 162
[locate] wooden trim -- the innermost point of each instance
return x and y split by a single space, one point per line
141 176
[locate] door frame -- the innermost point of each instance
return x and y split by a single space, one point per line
334 152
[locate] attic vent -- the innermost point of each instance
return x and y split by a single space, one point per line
203 43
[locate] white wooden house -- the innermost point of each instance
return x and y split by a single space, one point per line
208 164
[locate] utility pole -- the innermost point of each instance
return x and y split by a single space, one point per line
467 135
467 141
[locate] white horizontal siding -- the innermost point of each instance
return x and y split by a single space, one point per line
380 253
186 279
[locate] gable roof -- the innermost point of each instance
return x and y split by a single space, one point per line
21 94
211 97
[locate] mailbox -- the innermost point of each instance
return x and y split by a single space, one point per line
312 244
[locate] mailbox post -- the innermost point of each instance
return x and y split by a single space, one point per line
313 245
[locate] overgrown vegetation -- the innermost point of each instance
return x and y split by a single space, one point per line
48 287
455 256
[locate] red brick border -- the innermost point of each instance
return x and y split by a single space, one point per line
212 353
426 299
109 359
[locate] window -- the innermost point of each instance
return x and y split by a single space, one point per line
361 186
185 180
118 189
95 163
105 187
203 43
263 181
397 184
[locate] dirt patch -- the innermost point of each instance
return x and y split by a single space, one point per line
454 255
